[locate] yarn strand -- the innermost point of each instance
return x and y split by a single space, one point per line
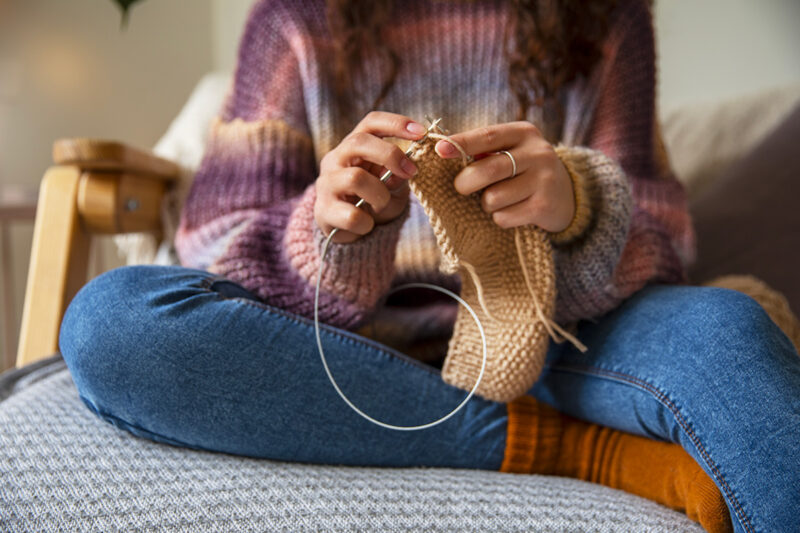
479 289
549 324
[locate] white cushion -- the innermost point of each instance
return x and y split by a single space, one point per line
705 139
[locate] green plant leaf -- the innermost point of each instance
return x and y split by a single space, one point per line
125 6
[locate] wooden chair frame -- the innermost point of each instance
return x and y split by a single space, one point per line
95 187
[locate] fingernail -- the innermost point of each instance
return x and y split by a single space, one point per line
445 149
408 166
416 128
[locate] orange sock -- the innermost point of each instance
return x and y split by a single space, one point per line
540 440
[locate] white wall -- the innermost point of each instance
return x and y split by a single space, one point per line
80 75
714 49
229 18
67 70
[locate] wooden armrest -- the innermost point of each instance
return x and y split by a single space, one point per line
96 187
101 155
58 266
109 202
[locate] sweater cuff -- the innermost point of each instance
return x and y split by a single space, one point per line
574 162
359 272
585 267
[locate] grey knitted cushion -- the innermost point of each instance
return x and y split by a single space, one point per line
62 468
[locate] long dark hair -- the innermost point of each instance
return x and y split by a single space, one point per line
548 43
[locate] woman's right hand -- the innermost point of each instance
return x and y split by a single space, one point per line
352 170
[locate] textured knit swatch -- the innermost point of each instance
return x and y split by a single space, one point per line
493 283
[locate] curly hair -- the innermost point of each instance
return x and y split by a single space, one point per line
548 43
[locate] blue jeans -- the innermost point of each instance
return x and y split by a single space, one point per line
188 358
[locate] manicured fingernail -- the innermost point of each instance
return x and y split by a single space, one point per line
445 149
408 166
415 128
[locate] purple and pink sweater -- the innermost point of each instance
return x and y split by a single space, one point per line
249 213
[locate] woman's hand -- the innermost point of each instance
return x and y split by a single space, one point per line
540 193
352 170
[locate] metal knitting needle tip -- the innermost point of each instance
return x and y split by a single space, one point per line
434 124
410 149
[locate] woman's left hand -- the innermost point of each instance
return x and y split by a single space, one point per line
541 191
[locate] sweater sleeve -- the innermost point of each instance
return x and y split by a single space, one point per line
639 229
249 213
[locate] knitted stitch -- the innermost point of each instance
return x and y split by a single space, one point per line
486 254
541 440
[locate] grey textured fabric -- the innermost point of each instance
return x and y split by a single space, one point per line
62 468
17 379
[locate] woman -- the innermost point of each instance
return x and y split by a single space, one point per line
700 387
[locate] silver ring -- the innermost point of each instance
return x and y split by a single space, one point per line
513 162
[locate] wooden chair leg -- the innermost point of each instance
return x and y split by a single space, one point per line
58 267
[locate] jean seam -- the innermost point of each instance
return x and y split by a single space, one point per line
662 398
164 439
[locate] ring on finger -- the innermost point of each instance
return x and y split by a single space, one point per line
513 162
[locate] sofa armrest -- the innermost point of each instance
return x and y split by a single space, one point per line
96 187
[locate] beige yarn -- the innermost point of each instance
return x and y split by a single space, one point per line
773 302
508 277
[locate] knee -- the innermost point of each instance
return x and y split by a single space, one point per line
90 338
94 312
734 313
110 326
730 325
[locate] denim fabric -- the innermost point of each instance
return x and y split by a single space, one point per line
185 357
703 367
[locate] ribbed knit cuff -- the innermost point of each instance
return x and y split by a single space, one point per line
533 437
585 268
583 205
359 272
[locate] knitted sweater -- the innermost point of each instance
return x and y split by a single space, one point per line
249 213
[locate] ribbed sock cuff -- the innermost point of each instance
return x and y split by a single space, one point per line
533 437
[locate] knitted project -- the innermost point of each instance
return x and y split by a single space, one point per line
500 263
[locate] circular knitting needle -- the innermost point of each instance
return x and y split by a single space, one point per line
388 173
434 125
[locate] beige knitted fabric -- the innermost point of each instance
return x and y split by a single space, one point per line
489 262
773 302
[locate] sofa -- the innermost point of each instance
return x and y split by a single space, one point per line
63 468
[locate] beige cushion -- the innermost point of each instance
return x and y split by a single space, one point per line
705 139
